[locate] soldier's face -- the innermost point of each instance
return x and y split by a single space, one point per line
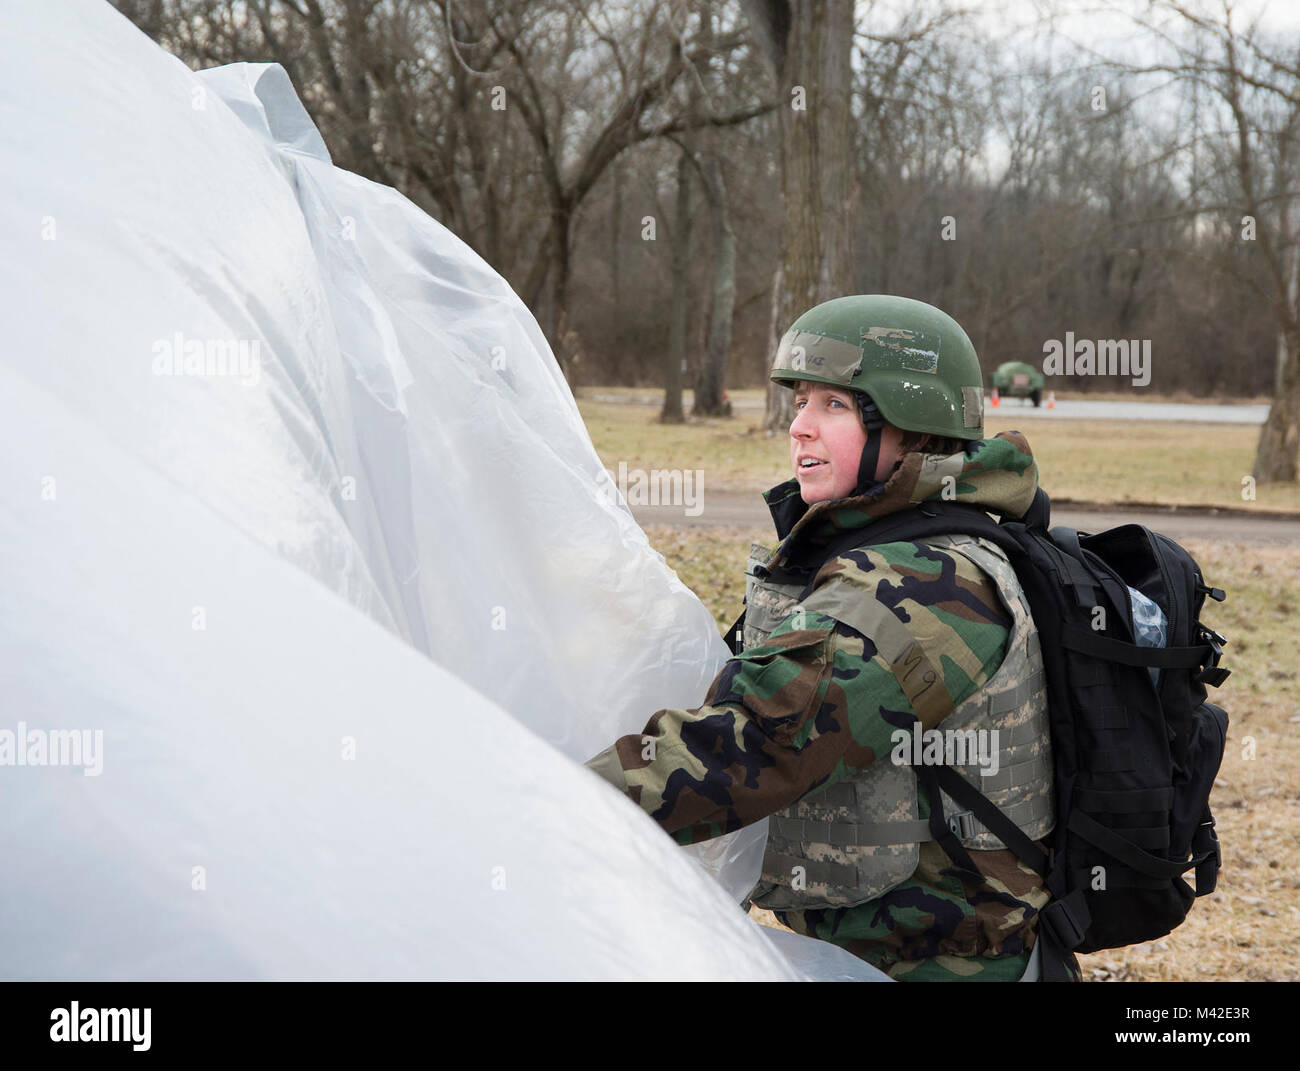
828 428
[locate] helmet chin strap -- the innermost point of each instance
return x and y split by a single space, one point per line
874 423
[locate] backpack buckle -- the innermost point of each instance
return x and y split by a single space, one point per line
1211 674
962 825
1067 930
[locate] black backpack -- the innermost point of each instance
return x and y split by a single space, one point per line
1135 758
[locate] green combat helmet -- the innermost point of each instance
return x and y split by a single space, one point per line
909 363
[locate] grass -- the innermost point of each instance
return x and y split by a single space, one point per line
1247 929
1165 463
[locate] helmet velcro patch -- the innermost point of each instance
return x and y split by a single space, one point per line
901 348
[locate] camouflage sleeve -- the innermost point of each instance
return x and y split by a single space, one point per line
732 761
886 631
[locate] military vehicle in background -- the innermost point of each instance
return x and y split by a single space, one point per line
1016 379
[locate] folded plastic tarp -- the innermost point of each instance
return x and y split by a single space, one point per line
314 587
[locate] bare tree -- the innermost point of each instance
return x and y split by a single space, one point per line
708 387
1259 89
641 110
675 355
709 383
538 132
809 47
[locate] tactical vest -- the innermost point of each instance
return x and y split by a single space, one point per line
857 839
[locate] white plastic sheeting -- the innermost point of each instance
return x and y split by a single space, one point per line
295 509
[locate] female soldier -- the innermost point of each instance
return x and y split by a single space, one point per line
817 721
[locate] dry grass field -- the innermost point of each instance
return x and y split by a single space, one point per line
1160 462
1249 929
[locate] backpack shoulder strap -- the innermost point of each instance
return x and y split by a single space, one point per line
926 519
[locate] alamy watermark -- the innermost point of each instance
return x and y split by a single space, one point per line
946 747
657 487
1104 357
53 747
181 356
76 1023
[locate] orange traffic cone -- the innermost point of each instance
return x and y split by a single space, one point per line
995 401
1051 399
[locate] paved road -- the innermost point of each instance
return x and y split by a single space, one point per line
1079 409
748 511
1066 409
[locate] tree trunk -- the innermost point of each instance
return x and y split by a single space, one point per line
817 174
708 385
780 400
562 343
810 42
615 230
681 239
1278 454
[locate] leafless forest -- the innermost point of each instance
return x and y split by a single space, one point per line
667 183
